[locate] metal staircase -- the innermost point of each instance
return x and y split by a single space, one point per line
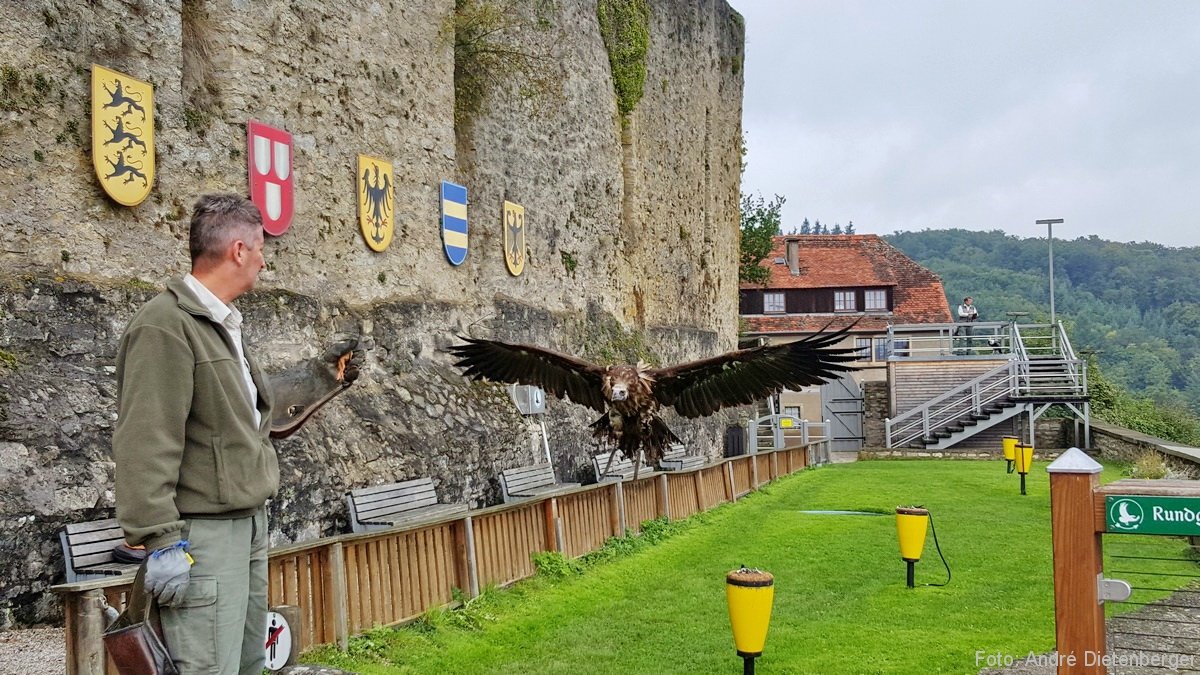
1042 371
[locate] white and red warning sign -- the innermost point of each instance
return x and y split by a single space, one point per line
269 154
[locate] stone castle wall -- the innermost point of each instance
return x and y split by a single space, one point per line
376 78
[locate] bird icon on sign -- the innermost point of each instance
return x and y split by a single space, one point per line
1126 515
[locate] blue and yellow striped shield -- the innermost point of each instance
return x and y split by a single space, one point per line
454 222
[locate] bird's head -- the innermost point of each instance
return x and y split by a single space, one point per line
619 382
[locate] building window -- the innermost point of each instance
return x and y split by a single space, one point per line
843 301
773 303
863 345
875 301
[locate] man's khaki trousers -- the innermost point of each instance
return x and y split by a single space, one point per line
221 626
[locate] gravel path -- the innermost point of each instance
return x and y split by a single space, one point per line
33 651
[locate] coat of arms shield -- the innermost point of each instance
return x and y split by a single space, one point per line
454 222
269 156
514 238
122 135
375 191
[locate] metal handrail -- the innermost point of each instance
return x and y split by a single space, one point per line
809 432
1022 380
969 397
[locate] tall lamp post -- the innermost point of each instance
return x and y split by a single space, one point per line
1050 223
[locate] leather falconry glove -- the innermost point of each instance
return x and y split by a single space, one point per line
306 387
168 571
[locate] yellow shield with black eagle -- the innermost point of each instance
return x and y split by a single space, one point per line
122 135
514 238
376 187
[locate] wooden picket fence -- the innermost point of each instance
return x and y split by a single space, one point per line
345 585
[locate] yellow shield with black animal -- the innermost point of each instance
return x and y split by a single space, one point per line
122 135
514 238
376 186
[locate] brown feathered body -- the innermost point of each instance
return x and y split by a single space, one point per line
631 396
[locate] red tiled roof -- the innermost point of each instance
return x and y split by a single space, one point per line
851 261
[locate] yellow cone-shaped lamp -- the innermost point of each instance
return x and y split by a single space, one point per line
749 593
1024 455
911 524
1009 443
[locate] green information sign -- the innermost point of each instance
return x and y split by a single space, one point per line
1133 514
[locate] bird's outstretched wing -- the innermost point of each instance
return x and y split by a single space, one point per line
557 373
744 376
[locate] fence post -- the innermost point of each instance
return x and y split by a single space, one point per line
554 536
698 489
468 545
754 472
730 488
1078 564
337 595
664 497
616 509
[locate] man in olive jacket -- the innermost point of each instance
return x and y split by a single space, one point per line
194 464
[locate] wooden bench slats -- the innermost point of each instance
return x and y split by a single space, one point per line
621 468
527 481
677 459
403 489
101 527
427 513
88 550
382 506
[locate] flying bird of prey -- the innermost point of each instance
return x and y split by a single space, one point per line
630 396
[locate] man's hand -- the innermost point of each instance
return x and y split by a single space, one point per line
168 571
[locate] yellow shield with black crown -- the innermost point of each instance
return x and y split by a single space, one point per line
122 135
376 185
514 238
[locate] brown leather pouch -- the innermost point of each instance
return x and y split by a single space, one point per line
134 640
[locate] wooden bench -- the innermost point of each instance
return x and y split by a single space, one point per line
621 469
530 481
677 459
404 503
88 550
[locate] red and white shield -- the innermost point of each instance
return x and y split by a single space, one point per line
269 154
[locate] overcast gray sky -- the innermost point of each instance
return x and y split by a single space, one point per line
978 114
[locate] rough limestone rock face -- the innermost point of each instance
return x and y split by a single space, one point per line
631 235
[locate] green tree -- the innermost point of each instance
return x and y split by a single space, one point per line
760 222
805 227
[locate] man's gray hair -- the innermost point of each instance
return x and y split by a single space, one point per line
220 219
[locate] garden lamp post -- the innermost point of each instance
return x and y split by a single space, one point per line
911 524
749 593
1024 457
1050 223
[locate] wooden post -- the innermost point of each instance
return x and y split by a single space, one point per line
337 595
84 627
616 512
554 536
698 487
754 472
664 497
1078 564
468 526
775 465
730 489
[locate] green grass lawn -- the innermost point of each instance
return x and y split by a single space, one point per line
841 604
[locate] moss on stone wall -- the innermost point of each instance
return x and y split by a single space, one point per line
8 360
625 27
